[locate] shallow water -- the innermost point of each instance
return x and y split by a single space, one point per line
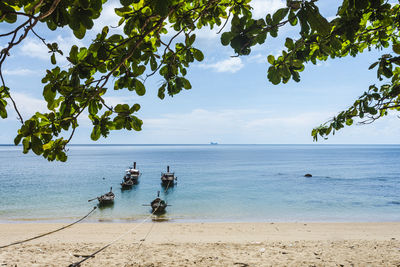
215 183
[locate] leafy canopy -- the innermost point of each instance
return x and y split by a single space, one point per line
144 49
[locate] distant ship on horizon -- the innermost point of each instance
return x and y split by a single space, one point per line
213 143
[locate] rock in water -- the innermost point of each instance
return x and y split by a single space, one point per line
307 175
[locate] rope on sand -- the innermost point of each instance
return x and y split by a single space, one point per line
78 263
42 235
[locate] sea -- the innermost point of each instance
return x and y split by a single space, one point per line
215 183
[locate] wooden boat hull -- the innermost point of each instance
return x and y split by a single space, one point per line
127 184
158 206
107 199
168 179
133 178
105 203
166 183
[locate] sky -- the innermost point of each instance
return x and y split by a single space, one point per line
231 100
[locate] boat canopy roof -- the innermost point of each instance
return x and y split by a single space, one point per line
132 170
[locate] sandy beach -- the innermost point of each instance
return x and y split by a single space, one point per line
205 244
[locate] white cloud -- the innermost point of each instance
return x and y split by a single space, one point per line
20 72
34 48
258 126
108 17
29 105
206 33
228 65
323 64
264 7
114 100
232 126
26 104
257 58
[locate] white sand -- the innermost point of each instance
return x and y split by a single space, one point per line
208 244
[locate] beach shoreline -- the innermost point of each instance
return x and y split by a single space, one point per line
205 244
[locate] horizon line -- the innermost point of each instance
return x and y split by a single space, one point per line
218 144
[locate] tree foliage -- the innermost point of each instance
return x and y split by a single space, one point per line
359 25
145 48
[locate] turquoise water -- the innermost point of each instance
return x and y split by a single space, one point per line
215 183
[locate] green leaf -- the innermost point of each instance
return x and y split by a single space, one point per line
292 18
289 43
10 17
3 111
273 75
122 11
37 145
373 65
280 14
93 109
261 38
396 48
102 53
73 55
349 122
271 59
17 139
198 55
96 4
186 83
297 64
316 21
305 28
226 37
95 135
61 156
284 70
80 33
87 22
26 144
136 123
120 108
74 22
139 87
135 108
49 94
161 91
139 70
161 7
387 72
126 2
84 3
53 59
191 40
153 63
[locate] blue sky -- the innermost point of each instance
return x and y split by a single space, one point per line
231 101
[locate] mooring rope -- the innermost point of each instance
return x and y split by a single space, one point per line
42 235
166 189
145 237
87 257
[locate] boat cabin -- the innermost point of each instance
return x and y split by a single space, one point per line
168 178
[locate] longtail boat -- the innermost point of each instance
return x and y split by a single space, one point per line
132 174
158 205
168 178
106 199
